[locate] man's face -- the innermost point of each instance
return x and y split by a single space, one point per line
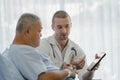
61 26
36 34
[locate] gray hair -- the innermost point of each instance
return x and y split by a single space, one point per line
25 20
60 14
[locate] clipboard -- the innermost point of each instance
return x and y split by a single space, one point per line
96 62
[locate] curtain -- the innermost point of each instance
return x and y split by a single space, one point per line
95 27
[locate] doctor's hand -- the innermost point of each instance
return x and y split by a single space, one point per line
70 67
79 63
97 57
66 66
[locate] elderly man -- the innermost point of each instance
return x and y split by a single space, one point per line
34 65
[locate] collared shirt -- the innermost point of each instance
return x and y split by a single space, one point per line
29 61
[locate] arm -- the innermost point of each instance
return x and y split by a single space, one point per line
67 71
89 74
78 57
59 75
81 64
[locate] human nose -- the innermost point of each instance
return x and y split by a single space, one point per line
64 30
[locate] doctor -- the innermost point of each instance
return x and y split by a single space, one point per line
61 49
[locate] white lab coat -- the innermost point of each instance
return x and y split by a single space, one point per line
49 46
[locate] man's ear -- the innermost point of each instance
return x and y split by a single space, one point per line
26 31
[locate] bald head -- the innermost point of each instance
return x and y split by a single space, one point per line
26 20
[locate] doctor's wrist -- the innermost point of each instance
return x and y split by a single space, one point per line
77 66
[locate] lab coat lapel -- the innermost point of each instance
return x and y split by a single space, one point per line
56 49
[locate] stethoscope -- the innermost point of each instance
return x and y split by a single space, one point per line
52 50
73 49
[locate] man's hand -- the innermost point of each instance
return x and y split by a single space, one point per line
70 67
66 66
79 63
97 57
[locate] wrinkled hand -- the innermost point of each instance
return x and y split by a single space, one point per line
79 63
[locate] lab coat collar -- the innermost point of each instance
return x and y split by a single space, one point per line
67 56
53 41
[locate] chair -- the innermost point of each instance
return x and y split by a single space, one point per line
8 70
